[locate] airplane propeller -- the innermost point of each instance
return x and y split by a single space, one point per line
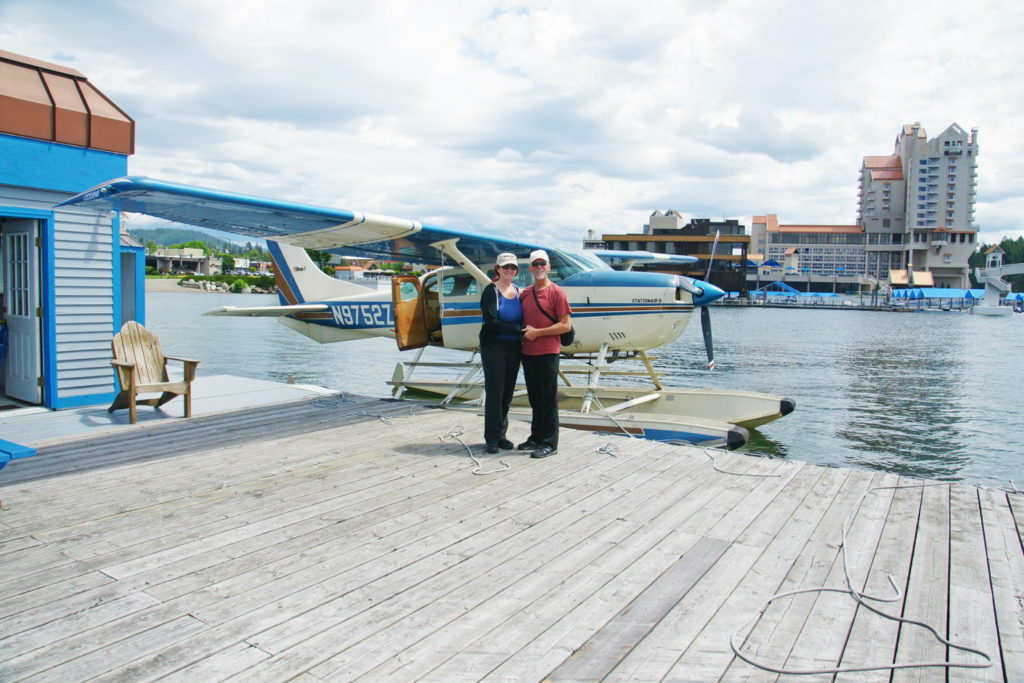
705 314
703 294
705 328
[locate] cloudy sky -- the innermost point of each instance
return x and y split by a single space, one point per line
546 118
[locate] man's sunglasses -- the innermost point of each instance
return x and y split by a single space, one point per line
537 264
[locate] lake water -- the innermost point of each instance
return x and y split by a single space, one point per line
934 395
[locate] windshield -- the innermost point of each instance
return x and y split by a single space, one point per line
590 260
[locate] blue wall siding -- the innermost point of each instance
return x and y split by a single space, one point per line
80 262
52 166
84 262
77 283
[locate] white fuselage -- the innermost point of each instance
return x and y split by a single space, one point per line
625 310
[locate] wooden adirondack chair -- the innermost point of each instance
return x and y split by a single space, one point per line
142 369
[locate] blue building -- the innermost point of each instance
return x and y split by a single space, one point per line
67 281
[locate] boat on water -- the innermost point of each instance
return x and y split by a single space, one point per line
704 417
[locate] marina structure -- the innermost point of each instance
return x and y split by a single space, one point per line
343 538
991 276
69 281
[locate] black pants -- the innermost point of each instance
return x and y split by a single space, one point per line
500 360
541 374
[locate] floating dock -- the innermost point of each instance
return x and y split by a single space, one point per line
344 538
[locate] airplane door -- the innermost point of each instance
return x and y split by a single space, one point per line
410 323
22 364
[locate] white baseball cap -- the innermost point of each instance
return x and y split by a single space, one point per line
505 259
539 254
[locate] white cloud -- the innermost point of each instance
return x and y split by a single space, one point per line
545 117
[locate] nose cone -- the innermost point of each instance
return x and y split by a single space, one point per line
711 293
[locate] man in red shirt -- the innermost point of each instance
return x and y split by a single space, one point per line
545 316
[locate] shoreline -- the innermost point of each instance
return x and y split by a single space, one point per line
171 285
154 284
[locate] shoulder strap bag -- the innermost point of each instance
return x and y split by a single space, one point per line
566 337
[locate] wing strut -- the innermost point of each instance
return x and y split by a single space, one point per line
448 248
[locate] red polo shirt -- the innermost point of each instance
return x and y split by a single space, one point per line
554 301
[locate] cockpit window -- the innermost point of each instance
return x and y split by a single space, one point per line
454 283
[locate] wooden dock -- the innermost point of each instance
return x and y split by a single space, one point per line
315 540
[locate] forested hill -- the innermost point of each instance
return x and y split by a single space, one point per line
171 237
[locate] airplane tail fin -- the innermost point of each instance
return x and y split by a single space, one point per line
300 281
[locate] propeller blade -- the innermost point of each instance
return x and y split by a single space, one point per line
705 328
711 257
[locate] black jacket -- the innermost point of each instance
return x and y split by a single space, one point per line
492 327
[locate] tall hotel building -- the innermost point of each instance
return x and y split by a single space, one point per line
916 208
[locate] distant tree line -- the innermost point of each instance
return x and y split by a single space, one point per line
1014 249
183 238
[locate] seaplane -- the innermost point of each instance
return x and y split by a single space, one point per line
617 314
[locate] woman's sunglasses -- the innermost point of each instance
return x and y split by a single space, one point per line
509 266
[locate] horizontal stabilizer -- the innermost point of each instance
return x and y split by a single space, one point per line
268 311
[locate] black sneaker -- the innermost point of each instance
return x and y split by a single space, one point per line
492 448
543 452
528 446
506 445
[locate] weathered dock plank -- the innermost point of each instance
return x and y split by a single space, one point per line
871 638
972 617
317 542
926 569
1006 569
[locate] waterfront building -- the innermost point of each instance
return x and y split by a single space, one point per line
811 257
69 279
669 233
917 207
184 260
915 222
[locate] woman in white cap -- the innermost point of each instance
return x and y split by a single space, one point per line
500 342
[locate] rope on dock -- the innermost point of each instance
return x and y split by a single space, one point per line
388 418
860 598
332 401
455 434
709 451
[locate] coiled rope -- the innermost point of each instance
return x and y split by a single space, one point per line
861 599
455 434
332 401
388 418
710 452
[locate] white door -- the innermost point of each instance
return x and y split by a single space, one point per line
22 367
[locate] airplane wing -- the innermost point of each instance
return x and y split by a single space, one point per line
268 311
326 229
627 259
